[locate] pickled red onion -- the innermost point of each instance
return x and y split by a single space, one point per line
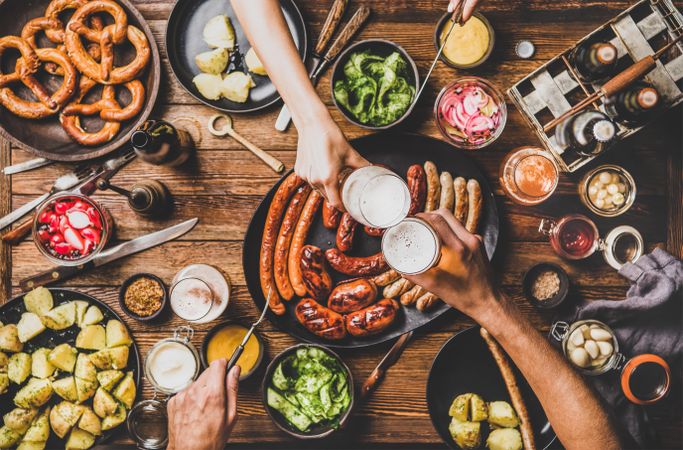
470 113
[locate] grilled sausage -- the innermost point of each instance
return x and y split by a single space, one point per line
352 295
346 232
315 276
270 231
409 298
433 186
331 216
426 301
386 278
300 232
284 241
460 207
373 319
398 287
320 320
417 185
374 232
357 266
474 211
447 192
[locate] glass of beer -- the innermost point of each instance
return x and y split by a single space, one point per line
411 247
375 196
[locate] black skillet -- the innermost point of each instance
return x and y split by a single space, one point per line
464 364
11 312
398 151
184 41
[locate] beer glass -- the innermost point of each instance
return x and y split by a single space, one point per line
411 247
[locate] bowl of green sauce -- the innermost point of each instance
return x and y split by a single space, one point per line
374 83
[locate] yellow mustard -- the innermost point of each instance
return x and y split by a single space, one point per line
467 43
224 342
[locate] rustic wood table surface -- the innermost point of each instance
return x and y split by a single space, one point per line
226 183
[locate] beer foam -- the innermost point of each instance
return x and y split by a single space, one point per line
410 247
384 201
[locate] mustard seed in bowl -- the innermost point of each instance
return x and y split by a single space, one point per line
143 296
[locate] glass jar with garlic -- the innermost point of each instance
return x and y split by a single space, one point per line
589 345
608 190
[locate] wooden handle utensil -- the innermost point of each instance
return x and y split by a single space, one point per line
16 235
347 33
331 22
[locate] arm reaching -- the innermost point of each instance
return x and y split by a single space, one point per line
323 151
463 279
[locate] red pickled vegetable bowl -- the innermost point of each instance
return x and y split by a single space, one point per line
470 112
70 229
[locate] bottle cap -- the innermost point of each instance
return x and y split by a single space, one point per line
648 98
604 131
606 53
525 49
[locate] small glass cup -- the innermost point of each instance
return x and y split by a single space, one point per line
191 299
412 247
529 175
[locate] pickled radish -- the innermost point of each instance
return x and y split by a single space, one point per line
468 114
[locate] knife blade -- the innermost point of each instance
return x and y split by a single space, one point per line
26 165
389 360
20 212
136 245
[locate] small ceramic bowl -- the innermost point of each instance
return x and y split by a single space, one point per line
220 326
319 431
128 282
533 273
444 21
383 48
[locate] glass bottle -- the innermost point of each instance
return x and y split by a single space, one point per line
635 105
160 143
587 132
595 61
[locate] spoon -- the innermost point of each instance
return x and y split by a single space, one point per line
238 351
227 129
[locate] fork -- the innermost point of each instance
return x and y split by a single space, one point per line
64 182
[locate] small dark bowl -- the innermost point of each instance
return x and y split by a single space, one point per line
317 431
122 293
384 48
214 330
443 21
531 275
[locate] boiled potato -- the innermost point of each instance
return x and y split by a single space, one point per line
8 437
39 301
219 33
460 407
69 412
504 439
92 337
115 419
253 62
19 419
4 383
63 357
61 317
19 367
104 404
35 393
214 61
110 358
466 434
236 86
85 369
39 430
501 414
109 378
4 361
90 422
125 392
92 316
40 366
85 389
66 388
478 409
79 440
210 86
29 326
117 334
9 339
30 445
81 308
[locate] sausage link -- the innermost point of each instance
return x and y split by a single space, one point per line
386 278
331 216
433 186
447 192
320 320
346 232
474 211
300 232
374 232
460 208
373 319
357 266
426 302
409 298
417 185
398 288
315 276
284 241
352 295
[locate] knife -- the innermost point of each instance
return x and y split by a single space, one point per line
26 165
389 360
136 245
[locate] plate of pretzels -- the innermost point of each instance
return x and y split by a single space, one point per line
76 76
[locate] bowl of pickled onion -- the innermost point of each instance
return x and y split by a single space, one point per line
470 112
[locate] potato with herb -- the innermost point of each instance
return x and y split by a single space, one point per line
63 357
20 419
90 422
66 388
214 61
39 431
39 301
92 316
117 334
236 86
4 383
35 393
504 439
502 415
79 440
9 339
478 409
8 437
29 326
40 366
104 404
125 392
85 369
92 337
81 308
60 317
29 445
109 378
115 419
460 407
19 367
210 86
466 434
110 358
85 389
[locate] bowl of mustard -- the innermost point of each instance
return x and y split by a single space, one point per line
469 45
222 340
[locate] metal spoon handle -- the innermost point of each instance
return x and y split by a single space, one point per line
233 359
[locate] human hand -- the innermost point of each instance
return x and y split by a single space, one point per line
463 277
323 152
201 417
468 8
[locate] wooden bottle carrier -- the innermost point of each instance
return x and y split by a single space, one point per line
554 88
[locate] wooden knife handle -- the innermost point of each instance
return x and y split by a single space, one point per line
52 275
628 76
331 22
347 33
371 383
16 235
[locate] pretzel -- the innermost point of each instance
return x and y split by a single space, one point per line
72 123
52 12
111 111
25 68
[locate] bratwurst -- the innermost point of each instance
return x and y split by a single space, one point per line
316 279
352 295
320 320
357 266
373 319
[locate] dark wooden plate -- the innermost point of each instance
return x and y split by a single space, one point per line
184 41
45 137
11 312
398 151
464 364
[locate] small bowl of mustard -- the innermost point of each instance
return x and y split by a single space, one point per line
143 297
469 45
222 340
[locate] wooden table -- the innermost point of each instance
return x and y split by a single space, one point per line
226 183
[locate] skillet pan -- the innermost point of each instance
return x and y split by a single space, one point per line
398 151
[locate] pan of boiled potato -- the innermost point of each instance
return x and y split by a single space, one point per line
69 370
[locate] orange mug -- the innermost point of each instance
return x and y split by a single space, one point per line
645 379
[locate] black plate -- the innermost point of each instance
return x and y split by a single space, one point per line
464 364
184 41
398 151
11 312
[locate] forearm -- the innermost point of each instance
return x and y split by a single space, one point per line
267 31
572 408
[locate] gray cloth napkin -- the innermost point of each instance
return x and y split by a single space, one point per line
649 320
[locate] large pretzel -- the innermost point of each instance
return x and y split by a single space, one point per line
25 68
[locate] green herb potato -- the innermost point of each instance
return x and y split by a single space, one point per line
61 317
92 337
92 316
39 431
85 369
19 419
4 383
478 408
125 391
39 301
502 415
466 434
79 440
19 367
81 308
35 393
110 358
85 389
63 357
8 437
214 61
109 378
4 362
90 422
29 445
114 420
104 404
460 408
29 326
117 334
9 339
40 366
64 416
66 388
